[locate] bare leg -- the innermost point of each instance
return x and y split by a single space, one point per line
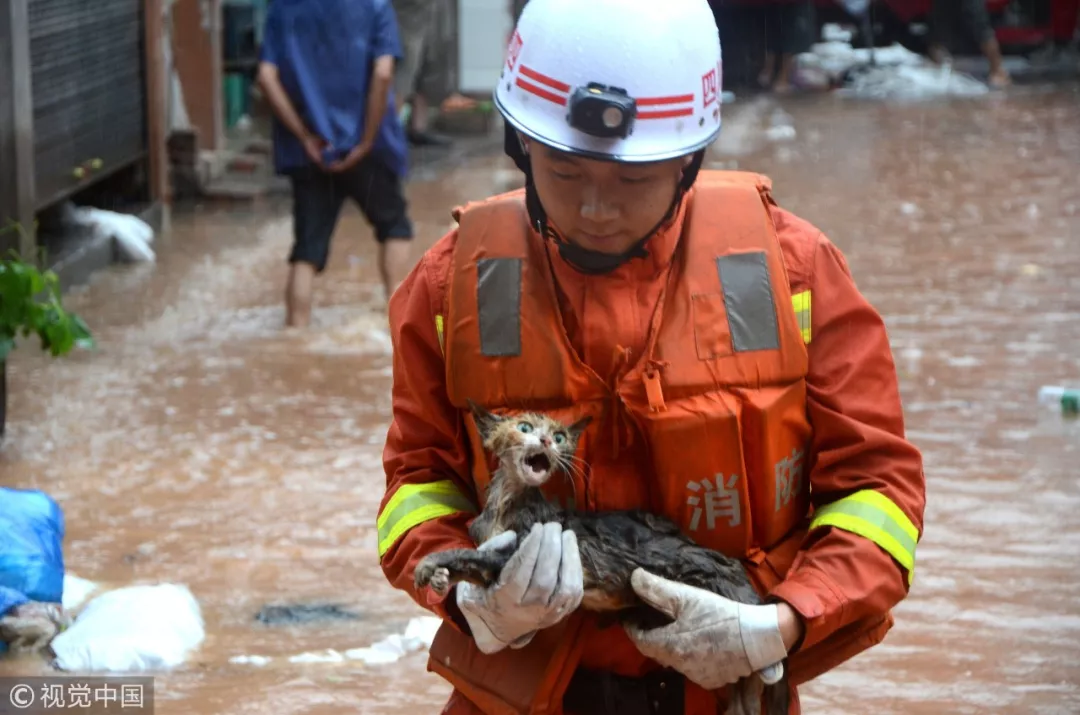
999 76
418 117
298 292
782 84
394 257
768 69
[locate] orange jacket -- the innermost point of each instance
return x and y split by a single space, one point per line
839 577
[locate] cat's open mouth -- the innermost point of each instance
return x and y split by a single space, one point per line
537 467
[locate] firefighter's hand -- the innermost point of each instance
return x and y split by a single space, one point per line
540 585
714 641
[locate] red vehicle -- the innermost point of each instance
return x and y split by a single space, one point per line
1018 23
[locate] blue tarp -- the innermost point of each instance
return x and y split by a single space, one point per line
31 548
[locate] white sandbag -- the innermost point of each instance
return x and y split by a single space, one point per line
132 629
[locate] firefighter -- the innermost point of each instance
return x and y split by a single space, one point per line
738 383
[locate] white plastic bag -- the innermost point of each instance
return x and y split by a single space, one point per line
132 629
131 234
76 591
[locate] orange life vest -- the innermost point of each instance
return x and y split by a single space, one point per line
719 396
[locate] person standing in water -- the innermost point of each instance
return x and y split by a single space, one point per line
953 21
327 68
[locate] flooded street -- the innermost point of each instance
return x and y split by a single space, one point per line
202 445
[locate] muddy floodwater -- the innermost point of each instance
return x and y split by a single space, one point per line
202 445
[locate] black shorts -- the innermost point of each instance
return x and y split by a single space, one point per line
789 26
317 200
960 26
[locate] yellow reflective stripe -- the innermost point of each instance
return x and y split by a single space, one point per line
439 327
413 504
801 303
874 516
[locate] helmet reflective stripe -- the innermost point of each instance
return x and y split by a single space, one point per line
631 80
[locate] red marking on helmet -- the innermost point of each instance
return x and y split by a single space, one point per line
666 113
540 91
514 50
665 106
545 80
710 87
655 101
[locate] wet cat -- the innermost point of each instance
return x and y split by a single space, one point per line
531 448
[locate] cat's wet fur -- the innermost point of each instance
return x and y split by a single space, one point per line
532 448
31 626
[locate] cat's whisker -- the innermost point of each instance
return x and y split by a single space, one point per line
571 469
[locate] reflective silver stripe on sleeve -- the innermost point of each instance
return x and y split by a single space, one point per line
748 299
498 297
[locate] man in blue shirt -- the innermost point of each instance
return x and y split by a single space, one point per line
326 69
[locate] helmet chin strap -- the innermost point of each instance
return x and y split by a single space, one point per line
582 259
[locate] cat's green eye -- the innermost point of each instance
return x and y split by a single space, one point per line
525 427
560 437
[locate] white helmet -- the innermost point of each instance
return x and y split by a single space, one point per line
630 80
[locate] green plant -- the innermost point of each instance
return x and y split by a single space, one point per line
31 304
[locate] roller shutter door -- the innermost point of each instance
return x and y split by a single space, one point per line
89 91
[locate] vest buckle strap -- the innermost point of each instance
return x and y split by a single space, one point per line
654 392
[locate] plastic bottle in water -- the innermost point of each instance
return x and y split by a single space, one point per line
1067 398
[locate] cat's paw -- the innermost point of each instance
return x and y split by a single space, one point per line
429 573
440 581
423 573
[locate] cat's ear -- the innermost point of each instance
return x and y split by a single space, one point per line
578 427
485 421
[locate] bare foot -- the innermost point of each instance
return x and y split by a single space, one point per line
999 79
783 88
457 102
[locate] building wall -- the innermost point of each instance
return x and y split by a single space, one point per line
16 127
8 203
484 28
196 45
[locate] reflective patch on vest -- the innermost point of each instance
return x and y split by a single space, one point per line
440 329
800 302
713 500
413 504
748 299
874 516
498 296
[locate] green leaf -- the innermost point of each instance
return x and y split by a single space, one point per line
31 303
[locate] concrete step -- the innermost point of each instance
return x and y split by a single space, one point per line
240 186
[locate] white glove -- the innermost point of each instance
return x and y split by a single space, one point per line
540 585
714 641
